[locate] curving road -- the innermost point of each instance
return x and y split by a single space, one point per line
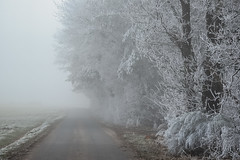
78 137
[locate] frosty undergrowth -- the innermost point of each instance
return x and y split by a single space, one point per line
198 133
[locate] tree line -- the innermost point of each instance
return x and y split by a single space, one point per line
159 63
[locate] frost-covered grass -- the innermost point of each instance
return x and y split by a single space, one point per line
17 126
12 127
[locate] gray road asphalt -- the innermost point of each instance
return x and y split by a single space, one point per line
78 137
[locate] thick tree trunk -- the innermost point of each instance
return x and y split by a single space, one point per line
187 53
212 89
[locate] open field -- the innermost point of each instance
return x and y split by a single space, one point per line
19 125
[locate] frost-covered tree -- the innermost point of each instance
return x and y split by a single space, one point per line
162 33
213 85
92 49
90 45
100 58
142 61
194 44
197 132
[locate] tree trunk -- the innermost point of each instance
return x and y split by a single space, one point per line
212 89
185 46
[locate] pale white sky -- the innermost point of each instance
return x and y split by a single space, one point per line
27 70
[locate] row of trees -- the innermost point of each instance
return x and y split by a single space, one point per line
158 62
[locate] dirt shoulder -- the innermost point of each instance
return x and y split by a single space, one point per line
142 142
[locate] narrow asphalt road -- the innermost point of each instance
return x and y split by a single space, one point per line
78 137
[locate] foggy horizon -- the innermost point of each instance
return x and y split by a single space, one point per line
29 74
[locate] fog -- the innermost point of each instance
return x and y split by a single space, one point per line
29 74
161 75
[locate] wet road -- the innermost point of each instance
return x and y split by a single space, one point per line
78 137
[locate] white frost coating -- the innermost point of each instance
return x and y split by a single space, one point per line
29 135
196 130
182 133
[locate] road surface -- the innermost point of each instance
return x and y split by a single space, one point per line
78 137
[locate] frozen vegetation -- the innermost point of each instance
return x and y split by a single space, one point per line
170 65
195 131
17 127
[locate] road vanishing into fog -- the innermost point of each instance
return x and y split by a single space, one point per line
78 137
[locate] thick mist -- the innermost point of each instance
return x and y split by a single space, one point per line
29 75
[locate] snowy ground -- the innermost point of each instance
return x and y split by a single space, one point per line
18 126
